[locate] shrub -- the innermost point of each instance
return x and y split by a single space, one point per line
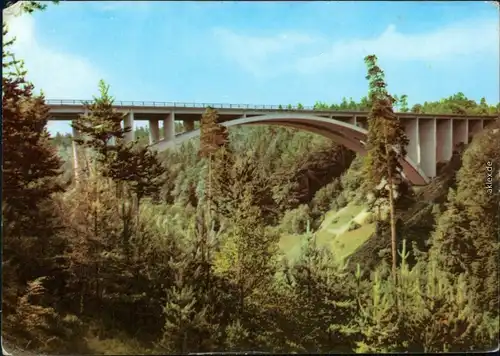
324 197
353 226
295 221
340 202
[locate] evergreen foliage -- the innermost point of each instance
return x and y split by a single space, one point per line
197 267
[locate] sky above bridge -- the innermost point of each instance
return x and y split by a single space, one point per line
259 53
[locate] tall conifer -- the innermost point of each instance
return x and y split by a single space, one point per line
386 144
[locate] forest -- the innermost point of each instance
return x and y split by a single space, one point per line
226 243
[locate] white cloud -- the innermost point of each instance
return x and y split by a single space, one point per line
450 44
255 53
59 74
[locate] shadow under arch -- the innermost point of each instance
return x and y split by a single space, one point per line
351 136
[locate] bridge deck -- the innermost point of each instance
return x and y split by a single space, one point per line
150 110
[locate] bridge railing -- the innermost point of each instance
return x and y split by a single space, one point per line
186 105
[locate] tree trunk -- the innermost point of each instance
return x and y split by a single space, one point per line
393 229
391 207
210 190
75 161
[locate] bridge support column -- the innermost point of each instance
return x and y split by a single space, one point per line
427 133
169 127
475 126
460 131
444 146
129 122
412 132
354 120
76 157
188 125
154 131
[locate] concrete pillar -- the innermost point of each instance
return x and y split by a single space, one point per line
444 145
188 125
353 120
154 131
76 157
129 122
169 127
460 131
475 126
427 133
411 131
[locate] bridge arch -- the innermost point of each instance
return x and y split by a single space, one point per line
351 136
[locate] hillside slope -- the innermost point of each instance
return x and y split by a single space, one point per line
416 224
335 233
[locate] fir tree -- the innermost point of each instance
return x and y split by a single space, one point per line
182 319
30 163
325 305
404 103
31 222
101 126
248 252
140 168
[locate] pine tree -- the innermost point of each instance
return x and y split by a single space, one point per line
212 135
213 138
386 145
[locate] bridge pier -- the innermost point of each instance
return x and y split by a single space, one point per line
128 121
427 133
460 129
444 148
169 127
154 131
412 132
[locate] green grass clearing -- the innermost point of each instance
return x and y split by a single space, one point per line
344 245
333 233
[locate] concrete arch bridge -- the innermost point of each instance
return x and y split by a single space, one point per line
432 138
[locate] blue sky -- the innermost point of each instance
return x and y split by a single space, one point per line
259 52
